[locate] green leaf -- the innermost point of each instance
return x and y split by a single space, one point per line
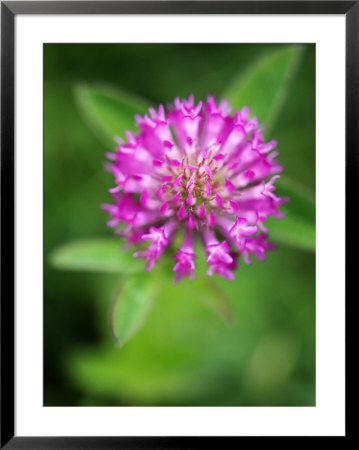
265 84
297 228
96 255
203 289
108 111
293 231
302 199
210 294
131 305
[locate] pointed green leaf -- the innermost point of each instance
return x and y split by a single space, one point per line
302 199
210 294
96 255
297 228
293 231
203 289
265 84
131 305
108 111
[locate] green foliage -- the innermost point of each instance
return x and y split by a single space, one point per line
210 294
109 111
130 306
297 228
184 355
292 230
265 84
96 255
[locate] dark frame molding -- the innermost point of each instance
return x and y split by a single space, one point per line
9 9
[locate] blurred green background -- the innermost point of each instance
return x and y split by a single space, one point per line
191 349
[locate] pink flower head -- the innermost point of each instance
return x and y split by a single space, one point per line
197 170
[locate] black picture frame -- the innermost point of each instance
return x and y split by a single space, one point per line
9 10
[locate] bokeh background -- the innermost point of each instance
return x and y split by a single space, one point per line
189 351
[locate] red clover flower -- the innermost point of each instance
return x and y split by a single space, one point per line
199 171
